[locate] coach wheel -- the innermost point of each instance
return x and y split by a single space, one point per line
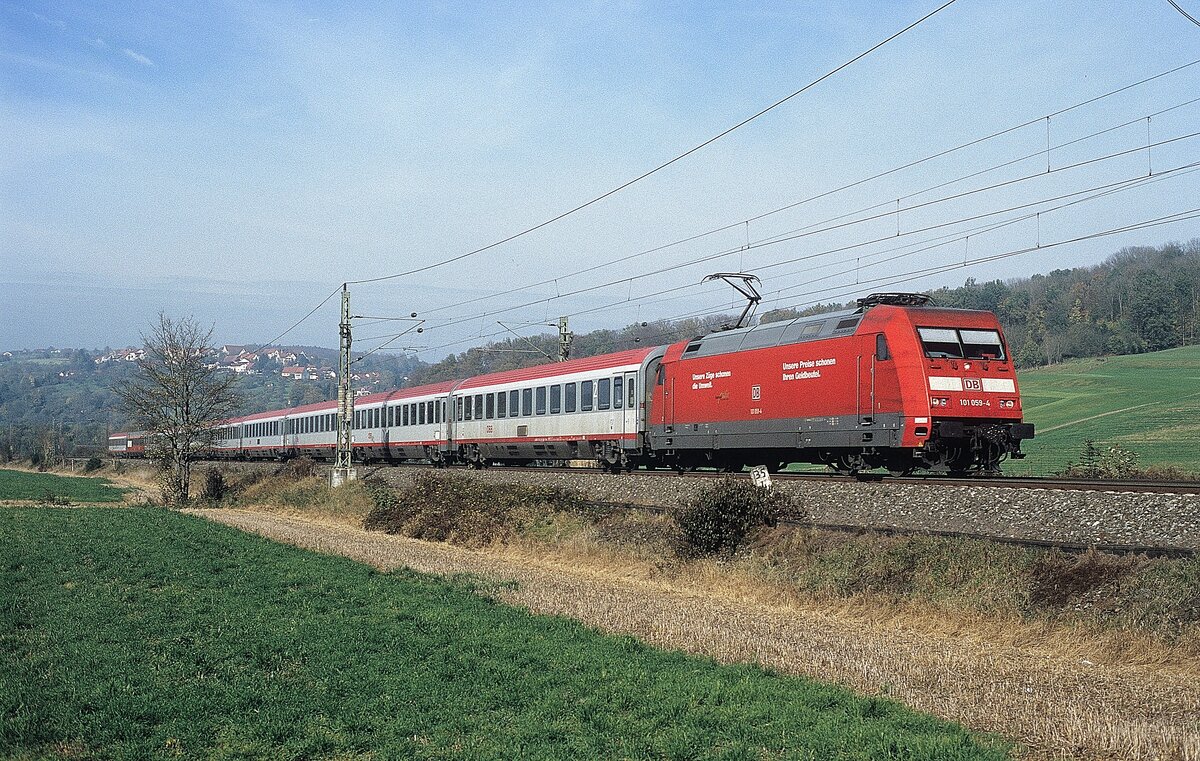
775 467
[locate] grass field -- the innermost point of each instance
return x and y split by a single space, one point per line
143 633
1147 403
47 487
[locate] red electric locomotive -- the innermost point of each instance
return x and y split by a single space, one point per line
895 383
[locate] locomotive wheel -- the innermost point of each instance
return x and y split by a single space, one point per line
850 464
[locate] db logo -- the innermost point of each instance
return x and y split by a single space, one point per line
756 393
972 384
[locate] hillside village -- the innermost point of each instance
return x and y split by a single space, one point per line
241 360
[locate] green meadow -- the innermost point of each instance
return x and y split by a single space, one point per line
1146 403
144 633
48 487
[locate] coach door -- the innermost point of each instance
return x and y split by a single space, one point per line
629 425
865 380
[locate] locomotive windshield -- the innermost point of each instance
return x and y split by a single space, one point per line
961 343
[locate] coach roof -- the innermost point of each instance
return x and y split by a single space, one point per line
553 370
331 405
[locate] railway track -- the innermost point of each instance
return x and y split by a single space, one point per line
1011 482
1154 551
1053 483
1126 544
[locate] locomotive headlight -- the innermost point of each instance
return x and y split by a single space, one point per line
939 401
1008 404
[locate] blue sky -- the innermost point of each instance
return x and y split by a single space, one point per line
238 161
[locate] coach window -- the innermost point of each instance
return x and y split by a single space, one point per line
375 418
603 393
421 413
514 403
404 415
555 399
569 396
479 406
458 403
502 404
539 399
632 391
526 402
585 396
412 414
489 406
618 391
470 408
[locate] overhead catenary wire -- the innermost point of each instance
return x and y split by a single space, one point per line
906 277
806 232
856 183
859 182
1184 13
1099 191
665 164
392 339
297 323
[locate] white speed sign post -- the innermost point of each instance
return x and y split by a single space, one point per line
760 477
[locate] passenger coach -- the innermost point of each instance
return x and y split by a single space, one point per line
581 409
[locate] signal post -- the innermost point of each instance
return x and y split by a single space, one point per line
343 465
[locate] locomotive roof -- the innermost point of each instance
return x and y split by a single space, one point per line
810 328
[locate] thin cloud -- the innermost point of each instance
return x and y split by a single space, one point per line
56 23
99 44
136 56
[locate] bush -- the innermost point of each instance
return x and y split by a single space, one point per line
300 467
215 488
1057 577
461 510
718 519
1117 463
92 465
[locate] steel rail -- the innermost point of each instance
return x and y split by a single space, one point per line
1150 550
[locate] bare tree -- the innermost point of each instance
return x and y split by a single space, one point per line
177 400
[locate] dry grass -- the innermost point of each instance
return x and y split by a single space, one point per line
1057 691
